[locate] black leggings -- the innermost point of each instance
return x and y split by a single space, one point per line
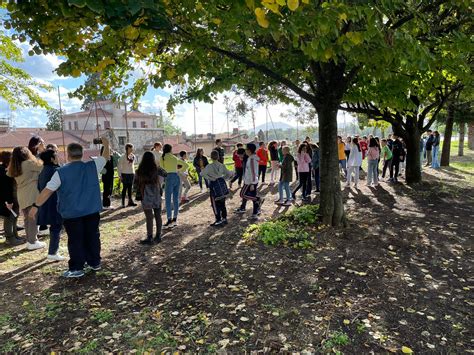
262 170
386 164
239 172
394 168
303 183
127 188
149 221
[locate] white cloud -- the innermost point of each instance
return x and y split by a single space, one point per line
39 66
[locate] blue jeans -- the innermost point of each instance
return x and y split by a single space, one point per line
372 176
343 163
172 184
54 234
284 186
435 162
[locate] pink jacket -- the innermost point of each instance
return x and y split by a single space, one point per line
373 153
303 161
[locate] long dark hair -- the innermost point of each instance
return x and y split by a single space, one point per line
355 140
373 142
33 144
48 156
271 145
301 146
167 148
19 155
147 172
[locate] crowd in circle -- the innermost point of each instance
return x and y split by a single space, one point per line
56 197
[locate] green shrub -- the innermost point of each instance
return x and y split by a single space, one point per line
305 215
279 232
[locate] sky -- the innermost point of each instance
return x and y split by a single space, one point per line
42 68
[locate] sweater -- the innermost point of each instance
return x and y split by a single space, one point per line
386 153
274 153
262 154
27 183
355 157
216 170
170 163
126 167
251 170
287 168
238 160
373 153
303 160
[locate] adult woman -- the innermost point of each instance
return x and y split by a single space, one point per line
347 146
7 202
148 178
25 169
172 166
48 212
36 145
200 162
303 159
126 171
435 150
274 161
315 164
354 162
373 155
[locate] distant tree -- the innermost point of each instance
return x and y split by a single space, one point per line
166 122
94 91
54 120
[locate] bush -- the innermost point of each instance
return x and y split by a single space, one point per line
279 232
304 215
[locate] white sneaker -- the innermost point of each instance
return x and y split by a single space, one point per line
55 257
35 245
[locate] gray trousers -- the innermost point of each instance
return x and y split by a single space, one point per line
31 228
9 226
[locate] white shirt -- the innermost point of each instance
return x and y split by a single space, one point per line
355 157
251 170
157 155
55 181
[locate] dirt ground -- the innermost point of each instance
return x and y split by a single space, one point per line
400 276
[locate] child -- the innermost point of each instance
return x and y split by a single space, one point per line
286 177
262 154
48 213
215 173
373 155
7 202
126 172
354 163
274 161
149 176
386 156
341 146
200 162
249 190
315 164
238 158
303 159
183 176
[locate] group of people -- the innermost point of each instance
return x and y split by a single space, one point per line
68 196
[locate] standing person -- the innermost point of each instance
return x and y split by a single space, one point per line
274 161
8 212
341 146
386 155
249 190
280 151
398 155
172 166
373 156
216 173
200 162
108 179
220 150
156 150
429 147
36 146
126 171
315 165
48 213
149 176
347 147
286 177
354 163
183 176
238 158
436 143
295 153
25 169
303 160
262 154
79 204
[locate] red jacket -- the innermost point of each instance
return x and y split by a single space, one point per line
262 154
238 161
363 147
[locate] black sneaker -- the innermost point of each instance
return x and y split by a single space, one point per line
174 223
14 241
147 241
131 204
157 239
215 224
169 223
224 221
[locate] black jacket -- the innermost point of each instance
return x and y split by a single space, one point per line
429 142
7 188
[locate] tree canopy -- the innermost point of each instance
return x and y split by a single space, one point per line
54 120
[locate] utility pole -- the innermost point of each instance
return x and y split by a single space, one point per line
212 118
126 121
195 135
266 122
62 123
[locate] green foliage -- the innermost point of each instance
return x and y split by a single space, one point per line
102 315
54 120
288 230
93 91
166 122
89 347
336 339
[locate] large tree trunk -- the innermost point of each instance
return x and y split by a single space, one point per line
413 158
332 208
448 133
462 132
470 136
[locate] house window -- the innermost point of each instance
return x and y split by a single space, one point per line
122 140
143 125
107 124
76 126
69 125
134 124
